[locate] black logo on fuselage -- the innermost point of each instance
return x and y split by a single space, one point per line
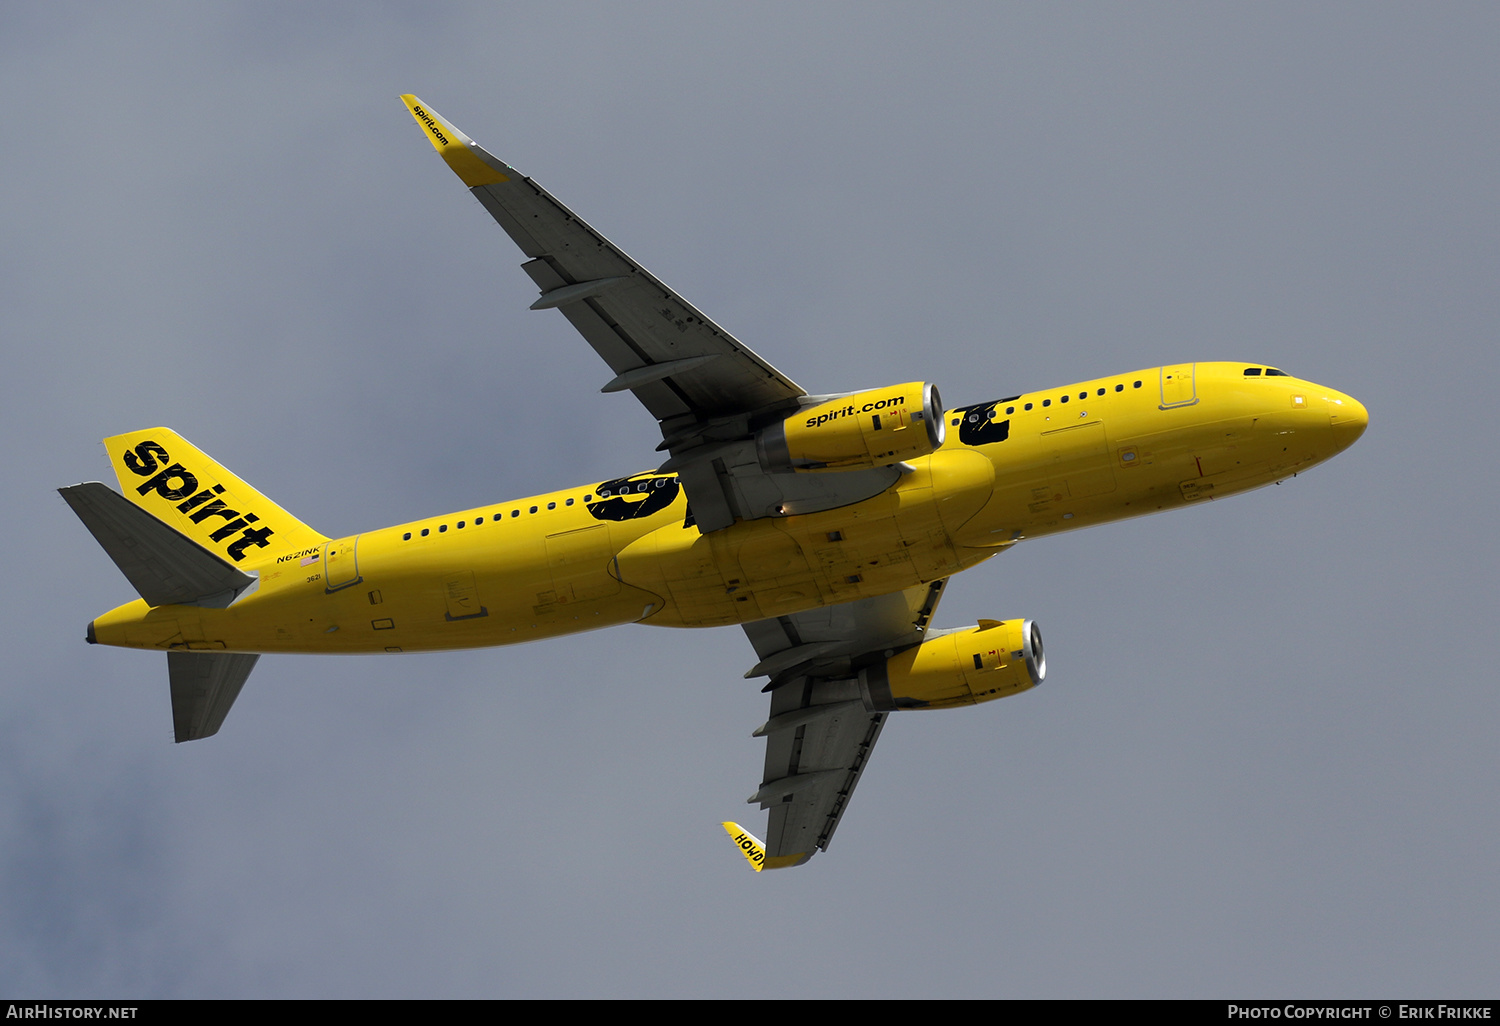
631 498
977 424
176 484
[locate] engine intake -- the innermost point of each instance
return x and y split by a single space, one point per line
867 429
963 667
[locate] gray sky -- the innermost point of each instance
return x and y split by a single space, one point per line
1263 762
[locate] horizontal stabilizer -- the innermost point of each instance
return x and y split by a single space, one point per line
204 686
163 565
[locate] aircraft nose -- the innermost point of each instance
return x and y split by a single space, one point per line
1348 418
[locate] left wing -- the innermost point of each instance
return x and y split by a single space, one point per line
710 392
821 730
682 366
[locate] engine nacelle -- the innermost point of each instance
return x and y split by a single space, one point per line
965 667
867 429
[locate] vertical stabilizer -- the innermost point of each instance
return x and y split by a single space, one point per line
174 481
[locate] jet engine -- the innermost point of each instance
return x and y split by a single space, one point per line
866 429
962 667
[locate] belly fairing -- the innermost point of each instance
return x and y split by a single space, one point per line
775 566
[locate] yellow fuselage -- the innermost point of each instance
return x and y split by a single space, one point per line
559 563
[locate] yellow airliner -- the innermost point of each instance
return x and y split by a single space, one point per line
825 525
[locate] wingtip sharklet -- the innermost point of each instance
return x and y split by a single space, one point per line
460 152
755 851
748 844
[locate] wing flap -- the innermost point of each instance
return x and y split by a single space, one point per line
830 754
652 324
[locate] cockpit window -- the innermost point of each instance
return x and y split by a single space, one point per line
1272 372
1252 372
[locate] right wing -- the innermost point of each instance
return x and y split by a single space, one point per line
709 391
821 730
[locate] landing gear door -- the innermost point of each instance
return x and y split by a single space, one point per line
341 563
